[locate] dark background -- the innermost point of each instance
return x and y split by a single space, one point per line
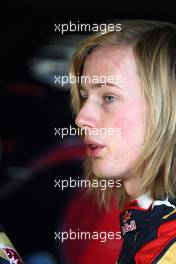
30 207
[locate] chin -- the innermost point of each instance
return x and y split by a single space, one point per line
98 171
102 172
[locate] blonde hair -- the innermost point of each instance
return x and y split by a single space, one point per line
154 46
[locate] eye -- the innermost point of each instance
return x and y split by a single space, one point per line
109 99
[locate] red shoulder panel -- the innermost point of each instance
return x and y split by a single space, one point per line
154 248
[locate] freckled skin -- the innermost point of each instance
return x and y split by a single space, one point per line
127 112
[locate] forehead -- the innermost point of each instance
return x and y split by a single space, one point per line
111 60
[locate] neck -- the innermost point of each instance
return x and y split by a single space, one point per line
132 187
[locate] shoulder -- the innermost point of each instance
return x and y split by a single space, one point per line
162 249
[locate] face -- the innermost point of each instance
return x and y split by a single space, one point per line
117 105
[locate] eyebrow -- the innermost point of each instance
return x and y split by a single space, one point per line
101 85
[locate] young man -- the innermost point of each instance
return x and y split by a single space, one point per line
128 84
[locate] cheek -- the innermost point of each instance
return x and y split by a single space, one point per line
125 121
132 126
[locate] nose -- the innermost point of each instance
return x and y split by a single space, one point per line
86 118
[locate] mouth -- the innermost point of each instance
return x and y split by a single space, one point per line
93 148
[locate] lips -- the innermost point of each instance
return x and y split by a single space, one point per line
93 148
